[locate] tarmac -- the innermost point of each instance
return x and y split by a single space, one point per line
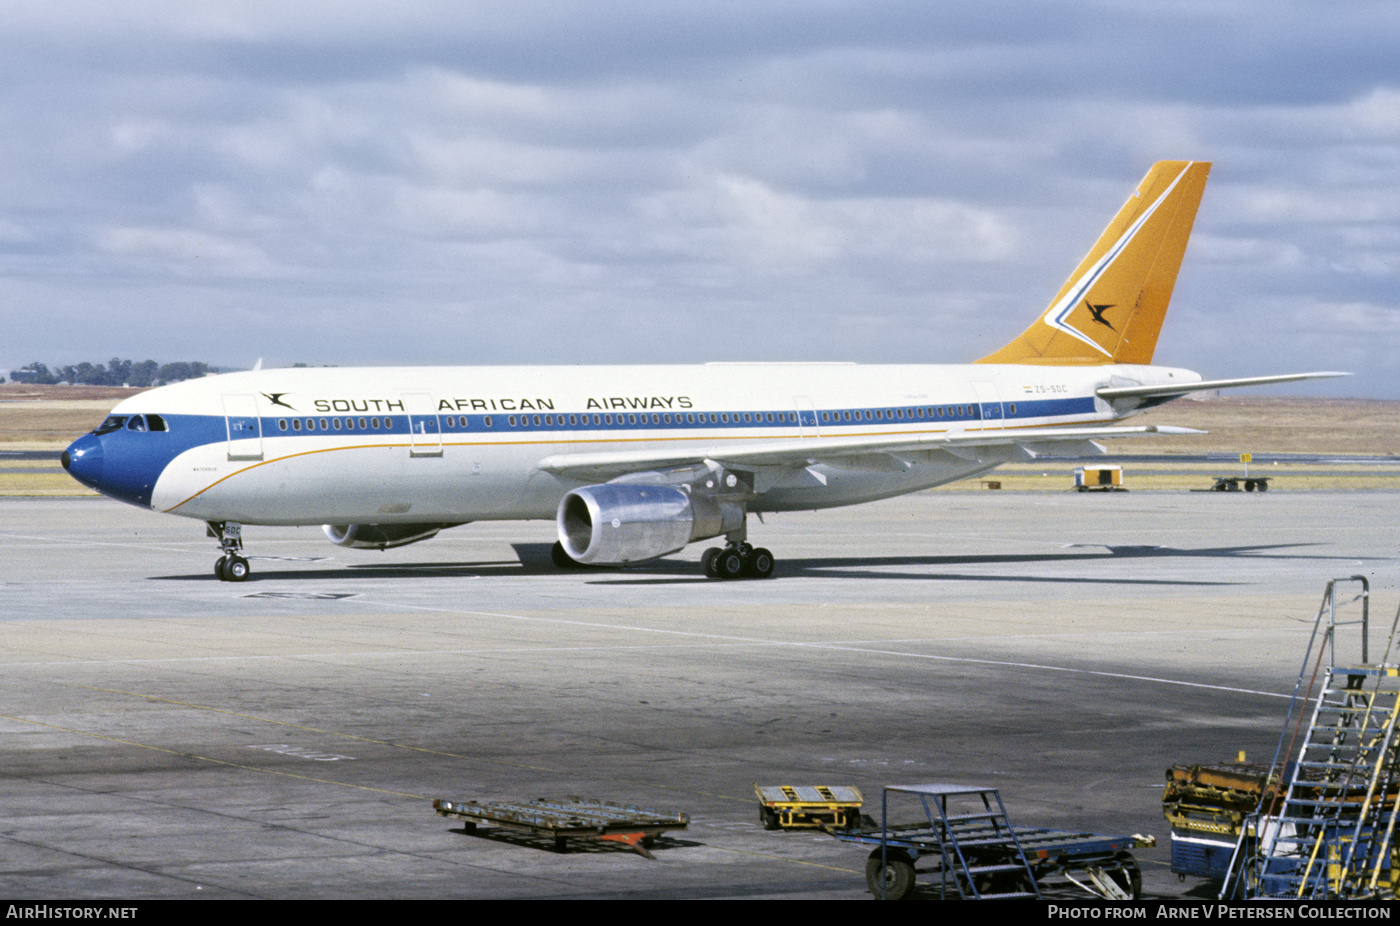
166 735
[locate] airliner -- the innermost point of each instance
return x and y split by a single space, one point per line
637 462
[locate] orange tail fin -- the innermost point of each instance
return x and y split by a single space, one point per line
1111 308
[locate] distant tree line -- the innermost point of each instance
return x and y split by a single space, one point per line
117 372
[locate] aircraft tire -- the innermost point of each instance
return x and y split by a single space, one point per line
707 563
219 568
759 564
729 564
236 569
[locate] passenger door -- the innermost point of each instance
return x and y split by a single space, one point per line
244 427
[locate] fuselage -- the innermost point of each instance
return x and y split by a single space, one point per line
412 445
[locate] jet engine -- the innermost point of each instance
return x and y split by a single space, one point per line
380 536
628 523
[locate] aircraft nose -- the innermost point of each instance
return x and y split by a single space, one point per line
83 460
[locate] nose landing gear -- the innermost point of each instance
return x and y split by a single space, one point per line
232 566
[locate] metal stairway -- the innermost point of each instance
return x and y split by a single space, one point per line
962 836
1330 834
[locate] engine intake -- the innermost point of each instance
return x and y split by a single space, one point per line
381 536
627 523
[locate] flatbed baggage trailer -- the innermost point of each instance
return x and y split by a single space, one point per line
574 818
981 856
809 806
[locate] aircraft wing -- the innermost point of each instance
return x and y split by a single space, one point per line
800 452
1175 389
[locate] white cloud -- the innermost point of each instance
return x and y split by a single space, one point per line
837 180
198 252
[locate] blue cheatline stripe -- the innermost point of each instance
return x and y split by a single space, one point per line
145 454
187 431
557 422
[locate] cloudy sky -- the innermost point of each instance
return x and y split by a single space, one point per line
623 181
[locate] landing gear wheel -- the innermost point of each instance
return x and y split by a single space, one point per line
236 569
759 564
707 562
729 564
898 876
231 566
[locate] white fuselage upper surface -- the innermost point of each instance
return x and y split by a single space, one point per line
413 445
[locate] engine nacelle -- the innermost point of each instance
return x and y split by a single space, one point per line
629 523
380 536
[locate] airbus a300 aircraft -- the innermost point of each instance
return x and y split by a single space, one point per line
637 462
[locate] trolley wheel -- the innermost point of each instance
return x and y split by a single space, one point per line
1129 875
897 878
768 817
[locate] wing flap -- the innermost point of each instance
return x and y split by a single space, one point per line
799 452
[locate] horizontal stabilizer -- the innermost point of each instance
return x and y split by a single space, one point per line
1137 392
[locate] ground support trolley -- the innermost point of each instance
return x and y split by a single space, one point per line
1207 806
808 806
966 839
1235 483
1099 479
574 818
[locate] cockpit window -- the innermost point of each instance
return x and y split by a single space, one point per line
131 423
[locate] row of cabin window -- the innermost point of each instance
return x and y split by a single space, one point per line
886 414
950 411
548 421
329 424
607 420
894 414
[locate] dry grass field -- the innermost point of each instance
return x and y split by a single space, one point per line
50 417
47 418
1237 424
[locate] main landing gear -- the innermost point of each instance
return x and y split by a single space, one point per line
738 560
735 561
232 566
